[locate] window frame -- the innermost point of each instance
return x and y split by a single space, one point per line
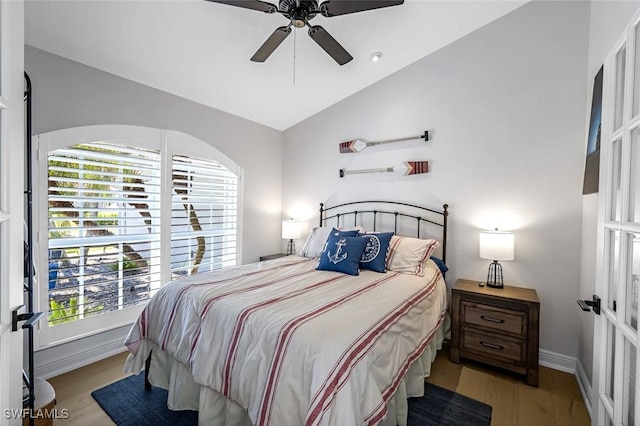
168 143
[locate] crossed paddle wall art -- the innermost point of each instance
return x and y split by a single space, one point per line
405 168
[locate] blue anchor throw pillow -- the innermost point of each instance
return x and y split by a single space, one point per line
342 254
375 253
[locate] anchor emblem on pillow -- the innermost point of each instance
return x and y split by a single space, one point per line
338 257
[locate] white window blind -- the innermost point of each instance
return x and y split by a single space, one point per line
104 225
203 216
104 229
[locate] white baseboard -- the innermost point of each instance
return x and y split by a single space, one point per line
68 362
584 386
569 365
557 361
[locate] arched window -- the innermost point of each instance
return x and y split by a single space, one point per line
126 209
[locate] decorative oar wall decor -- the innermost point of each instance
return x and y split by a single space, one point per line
358 145
406 168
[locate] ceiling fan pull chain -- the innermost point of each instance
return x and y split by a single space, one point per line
294 58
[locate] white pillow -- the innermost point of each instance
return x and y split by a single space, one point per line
409 255
314 244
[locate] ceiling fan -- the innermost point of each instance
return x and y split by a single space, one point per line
299 13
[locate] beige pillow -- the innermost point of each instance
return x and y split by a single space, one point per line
409 255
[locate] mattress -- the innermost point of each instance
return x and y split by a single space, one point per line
280 343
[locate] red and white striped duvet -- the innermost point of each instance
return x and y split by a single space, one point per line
293 345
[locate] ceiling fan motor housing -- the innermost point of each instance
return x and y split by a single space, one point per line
299 11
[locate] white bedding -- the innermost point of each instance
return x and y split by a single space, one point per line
288 345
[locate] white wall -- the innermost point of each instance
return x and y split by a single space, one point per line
69 94
608 19
505 106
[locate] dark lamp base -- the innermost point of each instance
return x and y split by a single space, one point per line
494 277
291 247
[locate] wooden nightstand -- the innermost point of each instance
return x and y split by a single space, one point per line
496 326
272 256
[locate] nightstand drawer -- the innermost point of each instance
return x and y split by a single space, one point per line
500 347
505 320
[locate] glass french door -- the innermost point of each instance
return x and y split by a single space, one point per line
616 339
11 204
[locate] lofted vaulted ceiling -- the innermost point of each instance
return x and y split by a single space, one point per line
200 50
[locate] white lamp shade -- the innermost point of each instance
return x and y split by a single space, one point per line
291 229
496 245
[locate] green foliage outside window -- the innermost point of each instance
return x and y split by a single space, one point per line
63 312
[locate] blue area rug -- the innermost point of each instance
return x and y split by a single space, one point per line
128 404
440 407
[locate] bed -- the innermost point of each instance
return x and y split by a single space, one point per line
282 343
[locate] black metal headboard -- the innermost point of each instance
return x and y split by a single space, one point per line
375 212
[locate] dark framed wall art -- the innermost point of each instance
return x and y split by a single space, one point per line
592 166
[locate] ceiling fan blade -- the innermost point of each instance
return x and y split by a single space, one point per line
271 44
343 7
262 6
329 44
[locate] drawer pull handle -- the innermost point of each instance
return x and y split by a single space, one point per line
496 320
492 346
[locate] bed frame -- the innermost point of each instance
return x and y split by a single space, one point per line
403 218
371 216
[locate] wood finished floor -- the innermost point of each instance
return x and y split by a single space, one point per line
557 401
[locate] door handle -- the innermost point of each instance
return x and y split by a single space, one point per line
31 318
595 304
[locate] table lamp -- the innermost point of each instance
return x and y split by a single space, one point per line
495 245
291 230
